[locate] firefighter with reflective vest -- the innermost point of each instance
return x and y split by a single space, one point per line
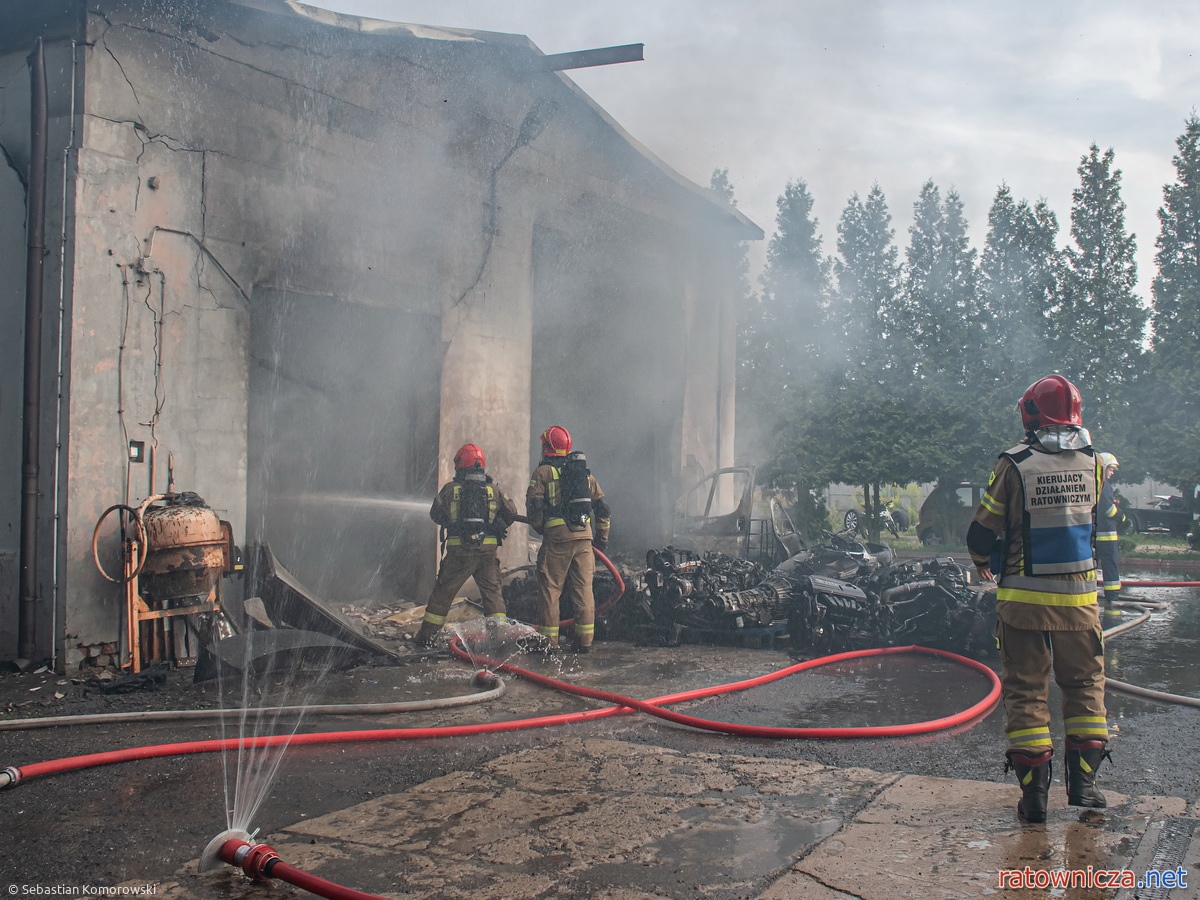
475 515
1108 525
566 507
1034 530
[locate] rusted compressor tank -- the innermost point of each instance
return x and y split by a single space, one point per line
188 549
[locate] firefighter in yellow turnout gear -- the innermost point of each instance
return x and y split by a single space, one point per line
1108 525
1035 529
475 514
566 507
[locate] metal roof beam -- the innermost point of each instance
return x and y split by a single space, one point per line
602 56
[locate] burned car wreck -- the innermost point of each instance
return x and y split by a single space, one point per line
840 595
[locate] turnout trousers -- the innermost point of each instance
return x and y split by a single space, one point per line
1077 661
1109 558
566 567
459 564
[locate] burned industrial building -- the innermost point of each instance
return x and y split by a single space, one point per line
291 258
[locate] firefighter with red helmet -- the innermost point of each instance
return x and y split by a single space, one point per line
475 515
566 507
1035 530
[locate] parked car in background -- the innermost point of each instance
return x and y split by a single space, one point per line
892 516
1168 512
947 512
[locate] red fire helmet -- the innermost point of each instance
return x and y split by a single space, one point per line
469 455
556 441
1051 401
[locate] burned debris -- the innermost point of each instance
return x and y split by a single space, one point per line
840 595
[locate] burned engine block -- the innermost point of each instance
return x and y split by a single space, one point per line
840 596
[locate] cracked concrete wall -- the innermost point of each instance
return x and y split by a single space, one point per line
269 213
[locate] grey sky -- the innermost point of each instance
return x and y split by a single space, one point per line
846 94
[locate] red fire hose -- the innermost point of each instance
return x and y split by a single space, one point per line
13 774
261 862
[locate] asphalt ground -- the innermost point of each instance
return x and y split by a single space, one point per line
143 822
147 821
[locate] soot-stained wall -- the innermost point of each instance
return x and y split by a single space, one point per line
309 255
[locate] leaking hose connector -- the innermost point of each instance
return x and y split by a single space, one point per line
256 860
262 863
9 776
486 679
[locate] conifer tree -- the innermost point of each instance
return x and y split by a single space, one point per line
796 287
940 305
870 426
1020 272
1100 325
788 346
868 281
1174 394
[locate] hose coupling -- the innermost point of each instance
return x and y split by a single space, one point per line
9 776
255 860
485 679
259 861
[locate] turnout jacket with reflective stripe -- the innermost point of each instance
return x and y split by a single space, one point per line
1108 515
1042 507
542 500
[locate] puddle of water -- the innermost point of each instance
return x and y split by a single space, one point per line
1159 654
891 690
716 853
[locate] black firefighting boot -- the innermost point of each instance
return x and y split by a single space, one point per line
1083 759
578 646
427 636
1033 773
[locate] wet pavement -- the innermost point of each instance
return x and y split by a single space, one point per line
631 807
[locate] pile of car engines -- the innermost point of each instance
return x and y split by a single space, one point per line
840 595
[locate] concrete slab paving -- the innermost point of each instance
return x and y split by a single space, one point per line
611 819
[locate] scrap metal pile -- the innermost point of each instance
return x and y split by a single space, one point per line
841 595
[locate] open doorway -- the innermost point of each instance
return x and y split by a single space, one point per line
343 439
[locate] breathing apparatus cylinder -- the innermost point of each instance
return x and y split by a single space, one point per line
576 492
473 507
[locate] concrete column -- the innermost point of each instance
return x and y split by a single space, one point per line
486 369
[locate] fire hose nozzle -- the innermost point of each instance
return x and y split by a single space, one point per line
9 776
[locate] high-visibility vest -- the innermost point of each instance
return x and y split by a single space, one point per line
1058 526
